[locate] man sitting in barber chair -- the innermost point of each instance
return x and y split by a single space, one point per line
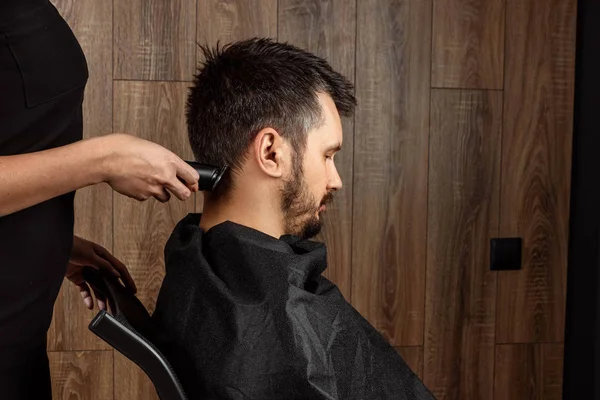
244 311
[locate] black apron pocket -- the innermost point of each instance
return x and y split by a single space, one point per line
50 59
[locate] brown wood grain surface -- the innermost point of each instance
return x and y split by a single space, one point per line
464 176
390 167
86 375
536 169
199 202
468 44
154 39
529 372
408 235
328 29
131 382
91 22
226 21
413 356
153 111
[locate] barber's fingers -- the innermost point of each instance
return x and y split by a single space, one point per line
181 184
100 299
181 191
105 266
161 195
117 266
102 263
187 174
84 291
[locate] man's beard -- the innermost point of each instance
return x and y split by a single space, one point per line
300 210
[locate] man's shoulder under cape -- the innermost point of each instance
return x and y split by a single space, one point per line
243 315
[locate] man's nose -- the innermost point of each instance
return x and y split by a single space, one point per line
335 181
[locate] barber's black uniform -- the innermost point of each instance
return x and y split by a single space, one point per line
43 74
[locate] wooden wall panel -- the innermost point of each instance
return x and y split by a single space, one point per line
328 29
154 111
417 213
536 167
529 372
199 199
86 375
413 357
154 39
91 21
468 44
464 171
131 382
225 21
390 166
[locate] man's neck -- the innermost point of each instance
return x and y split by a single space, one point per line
255 214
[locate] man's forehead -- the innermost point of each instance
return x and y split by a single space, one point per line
326 136
328 141
333 134
329 134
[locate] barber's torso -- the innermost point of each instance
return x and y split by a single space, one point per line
43 73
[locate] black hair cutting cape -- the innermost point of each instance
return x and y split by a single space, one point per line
243 315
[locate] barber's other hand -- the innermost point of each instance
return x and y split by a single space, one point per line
141 169
85 253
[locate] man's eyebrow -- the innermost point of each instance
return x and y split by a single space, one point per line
334 147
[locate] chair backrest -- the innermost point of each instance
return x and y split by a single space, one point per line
129 330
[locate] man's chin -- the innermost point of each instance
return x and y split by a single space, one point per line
311 229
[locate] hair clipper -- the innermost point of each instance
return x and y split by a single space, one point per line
209 175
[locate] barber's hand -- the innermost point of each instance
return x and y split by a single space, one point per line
141 169
86 253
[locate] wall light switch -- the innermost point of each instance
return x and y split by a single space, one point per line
506 253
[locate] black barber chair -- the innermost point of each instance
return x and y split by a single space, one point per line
127 328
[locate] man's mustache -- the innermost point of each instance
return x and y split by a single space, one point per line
328 198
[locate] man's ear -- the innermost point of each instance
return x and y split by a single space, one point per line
270 152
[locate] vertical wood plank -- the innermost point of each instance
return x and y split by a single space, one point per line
413 357
529 372
154 39
536 167
225 21
464 169
468 44
81 375
154 111
91 22
199 202
328 29
131 382
390 166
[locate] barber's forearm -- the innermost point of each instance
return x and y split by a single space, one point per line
29 179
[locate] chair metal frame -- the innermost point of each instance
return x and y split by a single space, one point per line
128 329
